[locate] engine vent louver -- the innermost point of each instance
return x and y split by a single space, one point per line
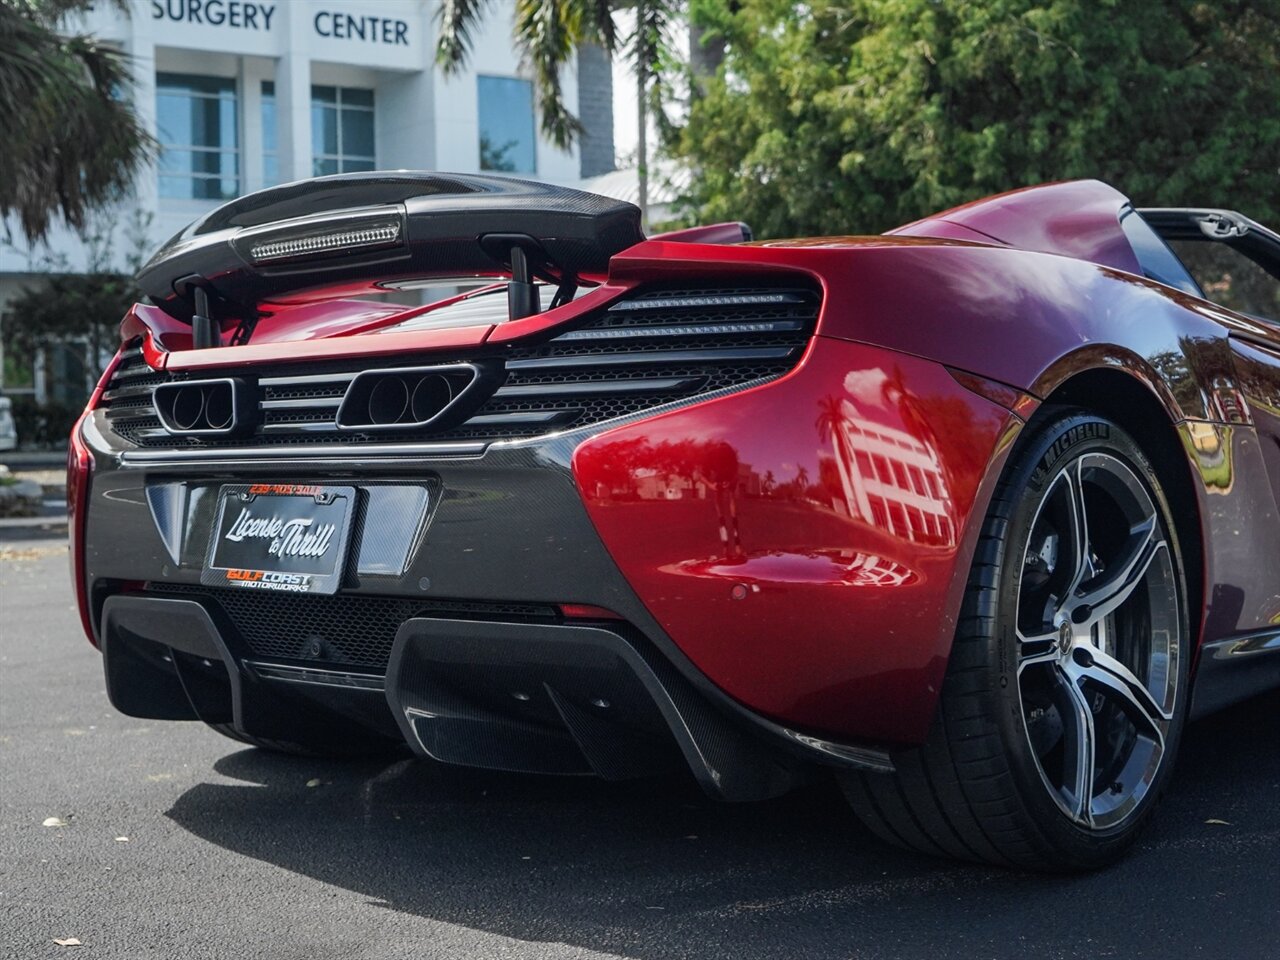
651 349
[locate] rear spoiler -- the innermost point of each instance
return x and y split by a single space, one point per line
366 231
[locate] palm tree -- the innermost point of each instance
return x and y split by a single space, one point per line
71 140
548 32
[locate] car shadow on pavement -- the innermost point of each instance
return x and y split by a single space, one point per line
648 869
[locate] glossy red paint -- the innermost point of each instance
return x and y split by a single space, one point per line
802 542
730 232
331 318
1077 218
380 344
339 329
942 230
541 323
1016 317
1015 401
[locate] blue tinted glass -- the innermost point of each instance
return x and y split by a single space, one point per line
173 161
196 121
173 118
355 97
323 166
350 165
198 128
228 131
269 116
357 133
190 83
506 125
324 94
324 129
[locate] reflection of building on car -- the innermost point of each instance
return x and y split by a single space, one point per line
893 480
974 515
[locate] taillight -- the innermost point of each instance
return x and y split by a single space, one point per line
79 471
79 468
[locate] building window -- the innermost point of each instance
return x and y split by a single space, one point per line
270 143
506 125
341 130
199 137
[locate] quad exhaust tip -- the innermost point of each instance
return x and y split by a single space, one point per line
405 399
200 407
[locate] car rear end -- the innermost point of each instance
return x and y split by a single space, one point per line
458 594
598 519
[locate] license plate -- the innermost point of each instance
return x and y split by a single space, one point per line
288 537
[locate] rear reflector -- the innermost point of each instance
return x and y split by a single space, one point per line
585 611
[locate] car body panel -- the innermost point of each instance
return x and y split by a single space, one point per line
738 533
812 571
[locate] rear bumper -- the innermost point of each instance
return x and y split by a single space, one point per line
753 608
582 698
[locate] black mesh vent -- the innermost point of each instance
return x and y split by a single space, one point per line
346 629
650 349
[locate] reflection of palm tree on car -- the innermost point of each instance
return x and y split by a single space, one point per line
831 424
802 481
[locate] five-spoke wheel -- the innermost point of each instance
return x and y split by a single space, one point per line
1099 639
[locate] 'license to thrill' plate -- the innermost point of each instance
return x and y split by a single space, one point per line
289 537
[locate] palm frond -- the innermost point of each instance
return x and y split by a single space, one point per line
598 25
456 21
72 141
547 33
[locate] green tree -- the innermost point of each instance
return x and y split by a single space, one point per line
854 116
81 311
547 34
71 140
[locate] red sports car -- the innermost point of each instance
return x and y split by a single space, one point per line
976 514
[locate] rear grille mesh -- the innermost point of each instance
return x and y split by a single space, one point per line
346 629
647 350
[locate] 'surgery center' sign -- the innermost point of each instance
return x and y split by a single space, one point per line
247 15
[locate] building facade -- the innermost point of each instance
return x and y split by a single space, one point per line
245 94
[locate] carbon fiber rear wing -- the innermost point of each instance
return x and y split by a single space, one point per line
374 231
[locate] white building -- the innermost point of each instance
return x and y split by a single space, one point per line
244 94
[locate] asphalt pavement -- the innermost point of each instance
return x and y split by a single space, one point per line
168 841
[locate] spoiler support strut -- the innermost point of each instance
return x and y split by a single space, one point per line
522 293
205 331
